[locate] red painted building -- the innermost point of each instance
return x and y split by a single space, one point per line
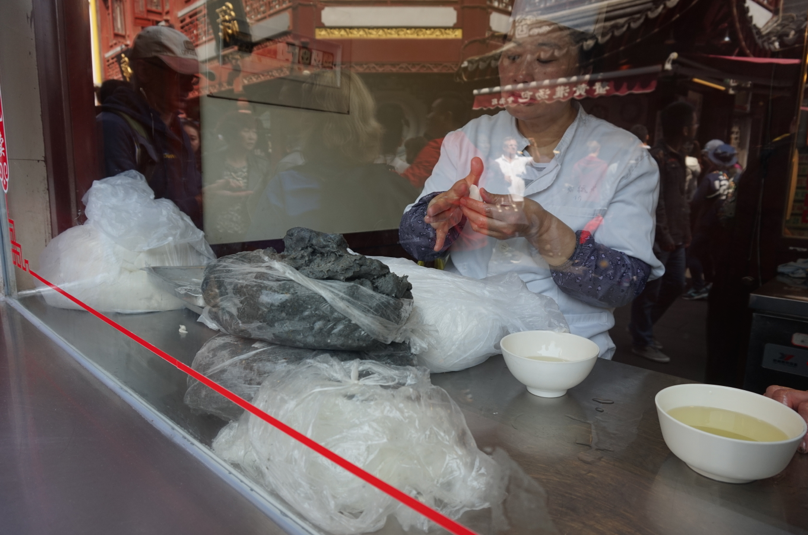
373 37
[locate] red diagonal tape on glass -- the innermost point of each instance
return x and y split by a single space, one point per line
3 150
369 478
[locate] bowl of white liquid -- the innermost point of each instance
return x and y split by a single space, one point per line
728 434
549 363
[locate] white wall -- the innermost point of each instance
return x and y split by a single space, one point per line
28 181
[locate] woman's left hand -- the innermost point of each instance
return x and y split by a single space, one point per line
504 217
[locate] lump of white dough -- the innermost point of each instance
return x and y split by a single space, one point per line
389 420
87 265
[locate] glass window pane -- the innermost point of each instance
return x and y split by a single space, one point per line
628 171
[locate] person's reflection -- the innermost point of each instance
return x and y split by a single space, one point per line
287 137
233 176
192 130
445 115
139 127
413 147
512 164
338 188
588 172
392 119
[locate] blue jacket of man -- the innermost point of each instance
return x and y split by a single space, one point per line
161 153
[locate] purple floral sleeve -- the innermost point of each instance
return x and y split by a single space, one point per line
595 274
418 237
599 275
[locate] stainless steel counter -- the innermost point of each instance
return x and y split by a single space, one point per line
782 295
76 459
76 455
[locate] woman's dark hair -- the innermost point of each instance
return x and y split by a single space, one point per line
185 121
391 117
234 122
640 131
675 117
350 138
453 104
590 51
413 146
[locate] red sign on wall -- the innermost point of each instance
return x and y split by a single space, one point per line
3 153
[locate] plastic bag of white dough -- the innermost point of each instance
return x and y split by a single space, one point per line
466 318
389 420
241 365
100 262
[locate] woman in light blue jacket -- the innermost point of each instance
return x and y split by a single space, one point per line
583 232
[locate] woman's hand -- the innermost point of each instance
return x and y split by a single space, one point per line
794 399
506 216
444 211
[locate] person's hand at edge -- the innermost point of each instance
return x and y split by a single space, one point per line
793 399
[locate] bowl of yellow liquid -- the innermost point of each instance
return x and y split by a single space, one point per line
549 363
728 434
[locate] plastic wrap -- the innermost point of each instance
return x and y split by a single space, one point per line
391 421
240 365
314 295
463 319
101 261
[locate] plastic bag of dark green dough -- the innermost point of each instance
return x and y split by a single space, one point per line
316 294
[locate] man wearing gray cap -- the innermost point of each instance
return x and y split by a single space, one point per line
138 124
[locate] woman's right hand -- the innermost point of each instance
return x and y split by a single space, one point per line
444 211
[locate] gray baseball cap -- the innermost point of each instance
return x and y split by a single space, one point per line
171 46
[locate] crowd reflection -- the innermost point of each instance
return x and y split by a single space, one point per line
582 210
339 186
233 175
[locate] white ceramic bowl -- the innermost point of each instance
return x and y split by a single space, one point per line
549 379
728 459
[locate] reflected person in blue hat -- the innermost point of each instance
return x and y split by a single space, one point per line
710 216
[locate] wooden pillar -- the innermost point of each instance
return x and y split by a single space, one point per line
64 60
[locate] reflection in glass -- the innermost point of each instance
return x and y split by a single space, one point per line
234 175
337 187
118 24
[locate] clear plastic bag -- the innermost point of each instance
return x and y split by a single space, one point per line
101 262
124 209
391 421
241 365
267 296
462 320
